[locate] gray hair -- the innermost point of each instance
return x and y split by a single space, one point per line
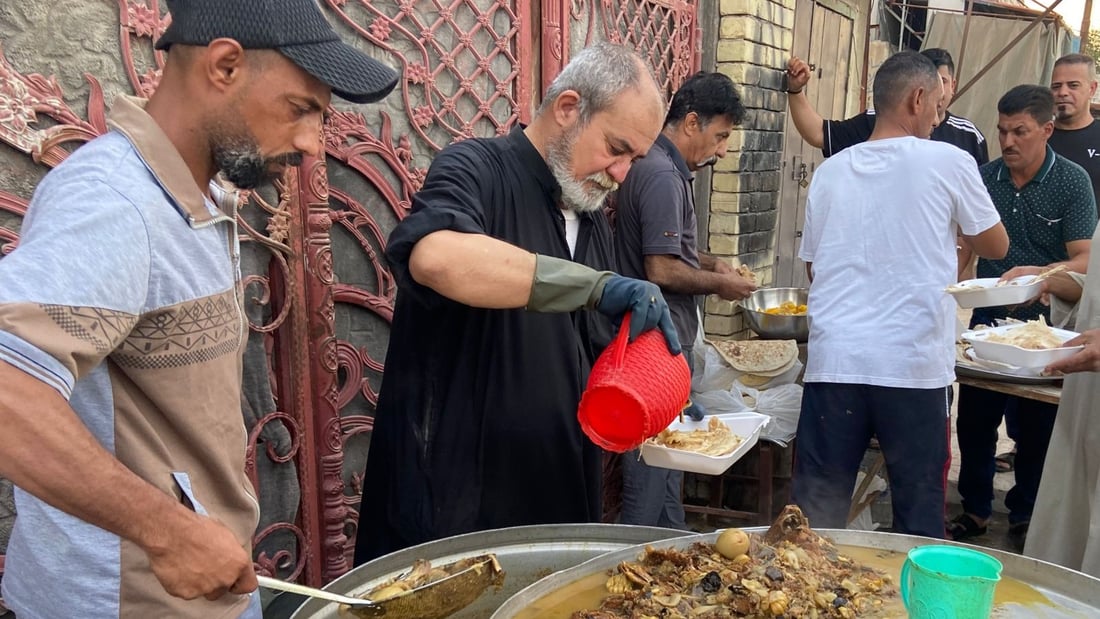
599 73
900 75
1089 63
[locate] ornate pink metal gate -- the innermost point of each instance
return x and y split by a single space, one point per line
320 297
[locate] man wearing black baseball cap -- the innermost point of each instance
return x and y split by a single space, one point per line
295 28
121 326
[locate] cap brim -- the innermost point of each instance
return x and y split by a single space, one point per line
350 73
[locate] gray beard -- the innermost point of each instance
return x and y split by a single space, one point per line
574 194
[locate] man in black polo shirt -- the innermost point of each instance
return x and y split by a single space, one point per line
833 136
1076 134
655 240
1047 206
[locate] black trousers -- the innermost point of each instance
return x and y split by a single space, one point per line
980 414
834 429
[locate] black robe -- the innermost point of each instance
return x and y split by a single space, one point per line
476 426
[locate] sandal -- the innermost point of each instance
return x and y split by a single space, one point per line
1006 462
963 527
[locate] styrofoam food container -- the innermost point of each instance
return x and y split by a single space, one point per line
1002 368
745 425
984 292
1014 355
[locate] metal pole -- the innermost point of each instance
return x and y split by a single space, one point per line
1035 22
1086 20
867 58
966 33
904 24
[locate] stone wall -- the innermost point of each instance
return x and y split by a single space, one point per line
755 37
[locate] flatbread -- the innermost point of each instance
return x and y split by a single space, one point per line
779 370
747 273
716 440
754 380
757 356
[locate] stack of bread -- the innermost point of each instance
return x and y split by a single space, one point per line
759 361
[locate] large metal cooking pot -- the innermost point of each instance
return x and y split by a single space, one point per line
526 554
1077 593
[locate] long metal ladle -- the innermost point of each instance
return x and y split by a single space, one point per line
434 600
363 608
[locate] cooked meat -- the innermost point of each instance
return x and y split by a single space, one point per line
788 572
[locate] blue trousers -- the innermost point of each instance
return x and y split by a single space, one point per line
834 429
980 413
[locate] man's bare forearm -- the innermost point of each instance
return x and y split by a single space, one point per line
708 262
47 451
1063 286
474 269
806 119
676 276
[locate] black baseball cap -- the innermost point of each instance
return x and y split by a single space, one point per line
296 28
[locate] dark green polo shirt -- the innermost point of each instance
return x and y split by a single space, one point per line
1052 209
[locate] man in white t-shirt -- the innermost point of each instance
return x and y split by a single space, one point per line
879 246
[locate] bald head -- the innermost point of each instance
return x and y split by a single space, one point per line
599 74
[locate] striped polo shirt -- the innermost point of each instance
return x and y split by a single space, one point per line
124 296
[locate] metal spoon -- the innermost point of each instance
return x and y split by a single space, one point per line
362 607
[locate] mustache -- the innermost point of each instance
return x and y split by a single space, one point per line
292 160
603 179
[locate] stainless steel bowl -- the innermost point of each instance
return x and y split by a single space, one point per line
771 326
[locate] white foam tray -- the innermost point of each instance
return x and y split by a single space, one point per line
1014 355
984 292
745 425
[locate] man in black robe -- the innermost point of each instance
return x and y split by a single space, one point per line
476 426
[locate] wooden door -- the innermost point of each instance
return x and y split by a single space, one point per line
823 37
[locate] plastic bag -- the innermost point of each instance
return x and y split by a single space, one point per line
863 521
783 404
711 372
712 382
720 402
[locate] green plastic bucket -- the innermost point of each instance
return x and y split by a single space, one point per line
949 582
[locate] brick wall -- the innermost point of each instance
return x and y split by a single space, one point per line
754 39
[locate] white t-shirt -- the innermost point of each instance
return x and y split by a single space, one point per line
572 229
880 231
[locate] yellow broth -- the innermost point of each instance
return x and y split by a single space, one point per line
589 592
